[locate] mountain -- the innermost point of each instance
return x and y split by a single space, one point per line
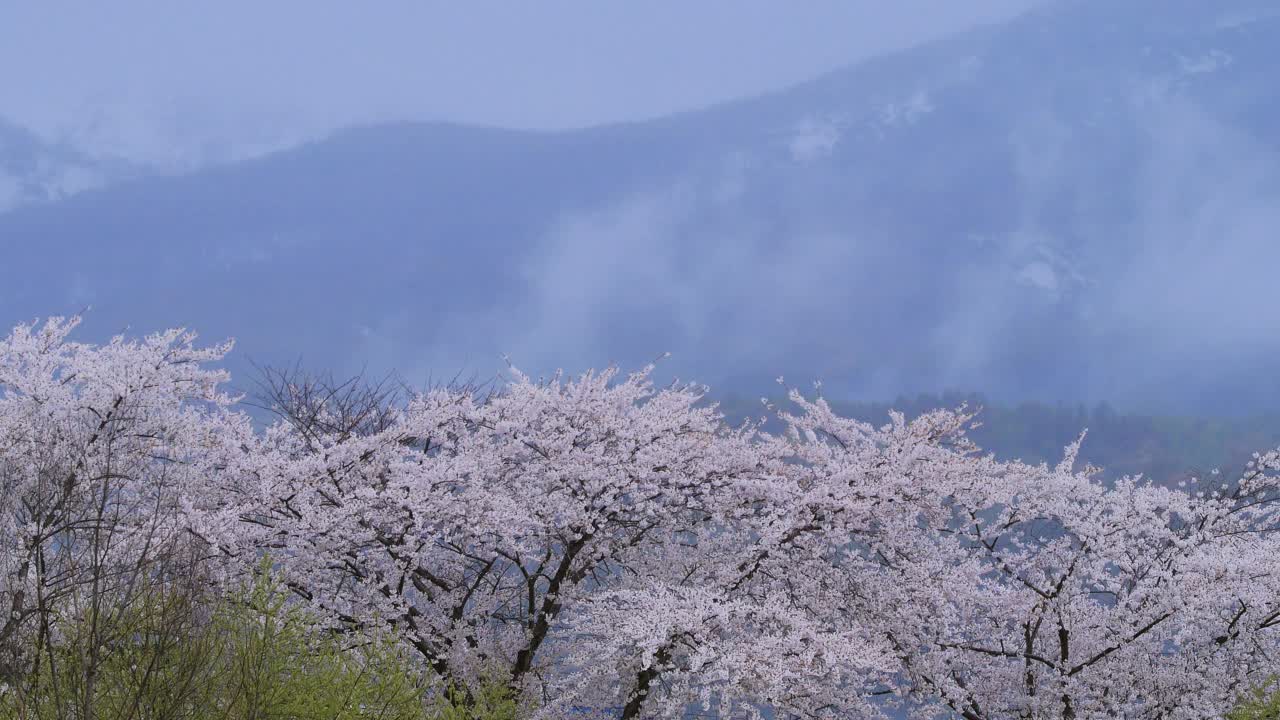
35 171
1076 205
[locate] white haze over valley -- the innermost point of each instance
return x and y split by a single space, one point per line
1063 201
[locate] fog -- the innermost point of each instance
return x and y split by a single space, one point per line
158 81
1070 201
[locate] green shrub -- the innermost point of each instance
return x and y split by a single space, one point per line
491 702
1262 704
250 656
278 668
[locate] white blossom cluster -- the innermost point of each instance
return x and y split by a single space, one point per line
602 542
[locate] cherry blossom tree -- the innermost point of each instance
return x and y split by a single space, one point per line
97 446
906 566
1050 594
1013 590
781 613
476 523
601 541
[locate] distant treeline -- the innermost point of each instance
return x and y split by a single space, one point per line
1161 447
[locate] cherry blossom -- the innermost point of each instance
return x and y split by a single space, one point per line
98 445
600 541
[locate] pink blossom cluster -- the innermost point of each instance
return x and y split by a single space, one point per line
600 541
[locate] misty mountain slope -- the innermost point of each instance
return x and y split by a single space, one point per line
35 171
310 250
1080 204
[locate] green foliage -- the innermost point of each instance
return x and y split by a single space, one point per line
250 656
492 702
148 657
278 667
1262 704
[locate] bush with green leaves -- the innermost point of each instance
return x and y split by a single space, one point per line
279 667
1263 703
492 701
252 655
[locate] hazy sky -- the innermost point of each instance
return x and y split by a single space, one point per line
138 71
1074 169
